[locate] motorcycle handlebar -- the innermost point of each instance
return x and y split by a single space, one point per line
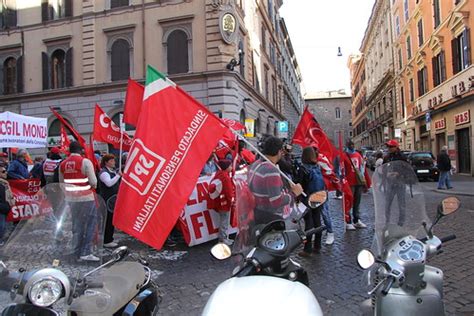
247 270
447 238
388 285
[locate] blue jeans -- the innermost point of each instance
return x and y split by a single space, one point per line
444 178
3 225
326 217
84 226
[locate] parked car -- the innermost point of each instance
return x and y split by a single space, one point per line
424 165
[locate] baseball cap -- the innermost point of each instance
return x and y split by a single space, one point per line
55 150
392 143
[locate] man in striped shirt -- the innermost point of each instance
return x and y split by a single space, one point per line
272 199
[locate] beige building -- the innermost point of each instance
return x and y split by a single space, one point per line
356 65
233 56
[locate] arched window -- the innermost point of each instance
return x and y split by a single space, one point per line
9 76
338 113
268 129
120 60
54 133
177 52
58 69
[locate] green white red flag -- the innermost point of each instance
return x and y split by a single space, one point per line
174 137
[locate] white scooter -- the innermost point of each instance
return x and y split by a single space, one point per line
401 282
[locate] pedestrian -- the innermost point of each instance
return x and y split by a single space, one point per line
37 170
51 164
285 164
331 180
378 159
311 179
444 166
267 186
222 191
394 152
18 168
210 166
6 201
359 180
109 182
4 159
78 174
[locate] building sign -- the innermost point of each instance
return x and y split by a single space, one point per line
462 118
250 127
440 124
283 129
228 27
398 133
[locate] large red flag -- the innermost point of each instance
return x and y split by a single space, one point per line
309 132
174 138
65 142
133 102
105 130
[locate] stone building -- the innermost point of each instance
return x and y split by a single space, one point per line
332 110
234 56
356 67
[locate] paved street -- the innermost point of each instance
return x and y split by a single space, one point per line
187 276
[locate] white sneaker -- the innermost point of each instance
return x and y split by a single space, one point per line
359 224
111 245
90 257
350 227
329 238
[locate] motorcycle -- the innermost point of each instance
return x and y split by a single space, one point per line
266 279
50 263
400 280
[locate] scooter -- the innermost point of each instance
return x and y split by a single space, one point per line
267 281
402 283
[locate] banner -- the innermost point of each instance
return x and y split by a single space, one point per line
199 222
22 131
105 130
174 138
28 200
133 102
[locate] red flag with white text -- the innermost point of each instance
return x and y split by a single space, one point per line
163 166
105 130
133 102
65 141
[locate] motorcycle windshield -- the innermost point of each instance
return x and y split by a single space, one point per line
262 196
399 204
66 223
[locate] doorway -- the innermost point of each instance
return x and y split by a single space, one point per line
464 150
440 142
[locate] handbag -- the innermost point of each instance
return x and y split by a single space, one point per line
359 176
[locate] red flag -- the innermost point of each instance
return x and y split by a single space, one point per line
309 132
65 142
236 126
163 165
105 130
133 102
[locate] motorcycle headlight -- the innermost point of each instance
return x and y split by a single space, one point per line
45 292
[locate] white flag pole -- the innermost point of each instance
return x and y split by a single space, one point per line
121 141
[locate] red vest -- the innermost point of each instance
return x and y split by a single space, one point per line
49 166
74 179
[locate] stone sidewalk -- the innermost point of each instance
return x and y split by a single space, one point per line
462 185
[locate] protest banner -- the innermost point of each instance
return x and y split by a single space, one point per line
22 131
29 200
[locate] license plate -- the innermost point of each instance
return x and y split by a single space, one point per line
423 171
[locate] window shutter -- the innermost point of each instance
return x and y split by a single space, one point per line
443 66
45 62
10 18
1 78
420 83
434 62
68 7
425 80
19 74
69 67
44 10
454 49
467 48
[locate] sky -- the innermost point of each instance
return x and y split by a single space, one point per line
317 28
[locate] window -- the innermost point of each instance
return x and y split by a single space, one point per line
57 69
9 76
405 8
55 9
436 14
274 92
408 48
266 82
397 25
338 113
402 102
400 59
439 69
420 32
242 59
118 3
264 39
422 81
412 90
120 60
461 51
7 14
177 52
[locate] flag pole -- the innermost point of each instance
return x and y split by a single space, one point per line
121 142
265 158
340 172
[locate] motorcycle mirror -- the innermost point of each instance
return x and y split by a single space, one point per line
449 205
317 198
365 259
120 252
221 251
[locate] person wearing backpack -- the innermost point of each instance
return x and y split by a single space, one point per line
311 179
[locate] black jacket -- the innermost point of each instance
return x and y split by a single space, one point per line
444 162
4 206
394 156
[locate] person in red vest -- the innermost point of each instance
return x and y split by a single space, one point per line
51 163
359 180
78 174
222 190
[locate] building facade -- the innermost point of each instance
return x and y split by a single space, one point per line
356 65
435 78
234 56
332 110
